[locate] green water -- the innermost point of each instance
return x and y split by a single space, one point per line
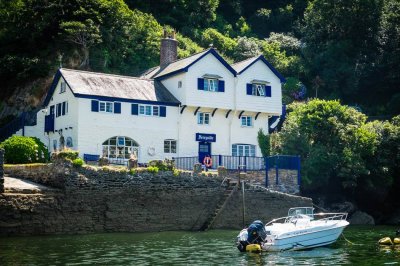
187 248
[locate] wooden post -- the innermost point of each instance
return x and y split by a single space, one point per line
244 207
1 171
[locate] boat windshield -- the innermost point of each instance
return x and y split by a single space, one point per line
309 211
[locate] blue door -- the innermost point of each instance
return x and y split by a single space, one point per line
204 150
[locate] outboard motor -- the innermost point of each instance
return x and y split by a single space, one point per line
254 234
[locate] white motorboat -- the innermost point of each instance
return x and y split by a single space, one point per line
301 229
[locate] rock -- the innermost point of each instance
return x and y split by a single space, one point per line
346 206
360 217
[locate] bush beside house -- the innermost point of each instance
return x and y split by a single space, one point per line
19 149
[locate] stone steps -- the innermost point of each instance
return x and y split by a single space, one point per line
227 194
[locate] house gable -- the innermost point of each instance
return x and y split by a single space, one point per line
184 64
246 64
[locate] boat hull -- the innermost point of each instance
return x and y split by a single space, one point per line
307 240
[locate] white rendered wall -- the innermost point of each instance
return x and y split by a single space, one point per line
271 105
194 97
228 131
147 131
61 122
171 84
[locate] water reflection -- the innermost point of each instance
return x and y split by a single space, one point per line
183 248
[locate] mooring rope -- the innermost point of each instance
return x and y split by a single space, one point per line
348 241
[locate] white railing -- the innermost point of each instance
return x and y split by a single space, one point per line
330 216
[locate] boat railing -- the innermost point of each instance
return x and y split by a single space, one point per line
328 216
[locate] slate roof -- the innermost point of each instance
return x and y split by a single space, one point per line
239 66
107 85
183 64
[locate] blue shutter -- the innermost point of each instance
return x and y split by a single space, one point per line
163 111
221 85
95 106
200 84
249 87
135 109
117 108
267 91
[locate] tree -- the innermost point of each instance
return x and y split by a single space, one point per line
331 141
84 34
340 43
246 48
263 143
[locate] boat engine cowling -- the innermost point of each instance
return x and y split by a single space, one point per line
254 234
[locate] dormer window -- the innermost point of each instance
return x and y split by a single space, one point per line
63 87
259 88
210 82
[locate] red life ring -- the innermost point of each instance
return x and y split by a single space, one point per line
207 162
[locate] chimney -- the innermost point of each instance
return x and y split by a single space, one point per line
169 49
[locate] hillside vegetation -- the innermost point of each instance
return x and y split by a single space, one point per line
340 49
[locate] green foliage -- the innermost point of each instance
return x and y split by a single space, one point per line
132 171
246 48
176 172
264 143
331 141
78 162
152 169
219 41
66 154
166 165
292 90
19 149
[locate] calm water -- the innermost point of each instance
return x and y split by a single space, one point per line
183 248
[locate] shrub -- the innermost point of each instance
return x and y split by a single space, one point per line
66 154
152 169
19 149
166 165
78 162
132 171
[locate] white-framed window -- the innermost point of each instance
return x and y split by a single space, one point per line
203 118
258 90
169 146
211 84
246 121
180 84
120 147
149 110
106 107
243 150
63 87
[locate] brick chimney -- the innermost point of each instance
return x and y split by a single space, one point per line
169 49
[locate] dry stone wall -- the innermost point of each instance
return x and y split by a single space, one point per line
90 200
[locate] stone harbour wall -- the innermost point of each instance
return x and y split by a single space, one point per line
91 200
1 171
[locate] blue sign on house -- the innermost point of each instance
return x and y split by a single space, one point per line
206 137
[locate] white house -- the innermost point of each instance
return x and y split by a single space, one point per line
196 106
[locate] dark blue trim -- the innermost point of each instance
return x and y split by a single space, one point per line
262 58
185 69
95 106
53 87
115 99
163 111
135 109
117 108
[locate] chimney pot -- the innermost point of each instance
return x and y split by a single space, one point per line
169 49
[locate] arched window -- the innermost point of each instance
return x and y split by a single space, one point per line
120 148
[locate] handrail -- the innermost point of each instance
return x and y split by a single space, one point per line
334 216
